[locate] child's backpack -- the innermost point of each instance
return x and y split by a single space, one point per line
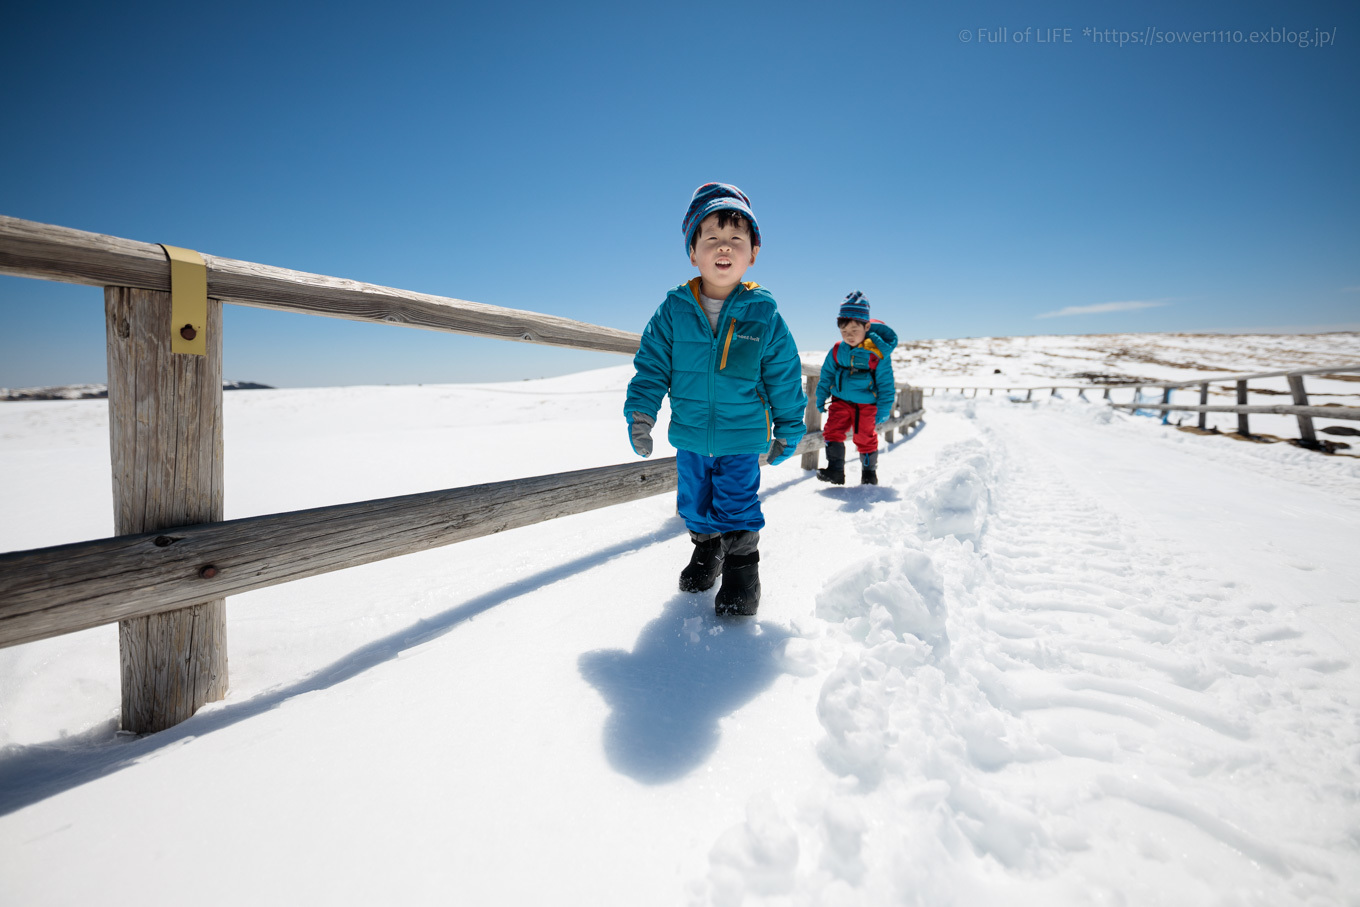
861 359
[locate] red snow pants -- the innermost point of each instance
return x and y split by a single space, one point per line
855 418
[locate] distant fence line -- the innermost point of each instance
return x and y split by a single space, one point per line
1300 408
166 575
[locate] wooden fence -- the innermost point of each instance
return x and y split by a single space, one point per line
165 576
1300 408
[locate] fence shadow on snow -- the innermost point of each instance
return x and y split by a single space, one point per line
29 774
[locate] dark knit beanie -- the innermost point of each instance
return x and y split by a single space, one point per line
855 306
711 197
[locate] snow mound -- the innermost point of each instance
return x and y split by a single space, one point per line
954 498
895 596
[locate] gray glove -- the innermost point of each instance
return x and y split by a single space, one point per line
640 434
777 454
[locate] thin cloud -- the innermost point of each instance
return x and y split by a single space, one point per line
1101 308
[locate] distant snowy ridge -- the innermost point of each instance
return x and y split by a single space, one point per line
1117 358
99 391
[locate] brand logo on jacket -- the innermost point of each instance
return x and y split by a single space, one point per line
748 337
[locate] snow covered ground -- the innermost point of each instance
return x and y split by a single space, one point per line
1063 655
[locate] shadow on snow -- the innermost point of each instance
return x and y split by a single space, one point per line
30 774
858 498
686 672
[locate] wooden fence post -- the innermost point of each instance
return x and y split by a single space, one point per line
1243 428
1306 432
813 420
1203 401
165 433
1166 413
893 412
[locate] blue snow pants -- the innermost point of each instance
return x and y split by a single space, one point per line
719 494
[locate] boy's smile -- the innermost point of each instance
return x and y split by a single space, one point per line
722 255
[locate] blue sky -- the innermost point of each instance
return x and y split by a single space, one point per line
541 156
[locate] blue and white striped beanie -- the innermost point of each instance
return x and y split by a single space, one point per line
855 306
711 197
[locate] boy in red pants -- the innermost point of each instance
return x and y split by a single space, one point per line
858 377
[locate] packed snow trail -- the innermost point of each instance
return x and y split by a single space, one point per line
1107 717
1060 656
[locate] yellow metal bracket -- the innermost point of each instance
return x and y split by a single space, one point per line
188 301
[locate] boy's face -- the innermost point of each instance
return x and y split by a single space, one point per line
853 332
722 255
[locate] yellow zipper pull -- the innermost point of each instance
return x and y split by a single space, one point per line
728 345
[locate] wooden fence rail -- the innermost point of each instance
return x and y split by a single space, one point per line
1350 413
1251 376
165 577
29 249
1339 368
50 591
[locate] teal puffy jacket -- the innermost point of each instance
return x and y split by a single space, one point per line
730 392
861 374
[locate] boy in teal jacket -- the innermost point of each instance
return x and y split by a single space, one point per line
722 352
858 377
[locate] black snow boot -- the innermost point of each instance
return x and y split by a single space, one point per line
704 565
740 590
835 464
868 468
